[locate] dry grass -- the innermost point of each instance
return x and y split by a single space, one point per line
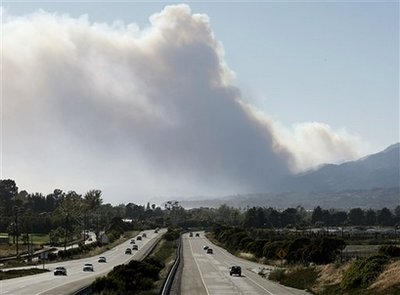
329 274
390 278
10 250
247 256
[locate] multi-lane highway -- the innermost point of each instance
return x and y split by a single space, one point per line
76 278
208 274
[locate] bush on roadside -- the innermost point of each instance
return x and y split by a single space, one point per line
302 278
172 234
363 272
390 250
132 278
277 275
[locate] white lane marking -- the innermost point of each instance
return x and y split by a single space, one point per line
222 252
259 285
201 276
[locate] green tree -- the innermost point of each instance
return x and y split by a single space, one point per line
317 215
8 192
92 200
385 217
370 217
356 216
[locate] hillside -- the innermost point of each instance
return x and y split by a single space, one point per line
370 182
374 198
380 170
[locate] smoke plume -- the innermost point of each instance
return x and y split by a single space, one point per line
134 112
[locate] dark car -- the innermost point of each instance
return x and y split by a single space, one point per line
102 259
190 234
236 270
197 235
132 241
135 247
144 235
139 238
209 251
60 271
205 247
128 251
88 267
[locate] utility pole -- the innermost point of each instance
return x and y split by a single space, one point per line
16 211
84 227
66 232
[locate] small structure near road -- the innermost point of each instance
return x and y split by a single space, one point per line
104 239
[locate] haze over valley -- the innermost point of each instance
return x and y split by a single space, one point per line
155 112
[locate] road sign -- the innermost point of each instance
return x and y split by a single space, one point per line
281 253
44 255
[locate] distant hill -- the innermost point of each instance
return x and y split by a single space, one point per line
381 170
374 198
370 182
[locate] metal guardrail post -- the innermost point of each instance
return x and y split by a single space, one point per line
171 275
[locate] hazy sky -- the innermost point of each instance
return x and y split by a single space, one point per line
200 99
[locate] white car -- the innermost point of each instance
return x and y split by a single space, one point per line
88 267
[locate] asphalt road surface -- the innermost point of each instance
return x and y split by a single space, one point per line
76 278
208 274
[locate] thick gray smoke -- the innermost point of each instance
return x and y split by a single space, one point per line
131 112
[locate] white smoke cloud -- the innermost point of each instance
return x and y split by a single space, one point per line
137 112
309 143
314 143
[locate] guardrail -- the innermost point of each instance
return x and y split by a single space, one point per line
171 275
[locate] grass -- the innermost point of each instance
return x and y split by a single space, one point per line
336 289
10 274
300 278
40 239
164 252
328 280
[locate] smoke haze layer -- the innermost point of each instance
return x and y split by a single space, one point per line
139 112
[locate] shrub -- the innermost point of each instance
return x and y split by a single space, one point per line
132 278
390 250
363 272
302 278
172 234
277 275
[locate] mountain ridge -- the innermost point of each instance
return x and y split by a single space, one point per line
369 182
373 171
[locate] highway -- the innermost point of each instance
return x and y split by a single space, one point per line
47 283
208 274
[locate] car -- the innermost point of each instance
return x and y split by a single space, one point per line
190 234
205 247
102 259
88 267
156 231
60 271
128 251
132 241
209 251
139 238
236 270
197 235
135 247
144 235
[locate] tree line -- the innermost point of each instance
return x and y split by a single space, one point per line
65 214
